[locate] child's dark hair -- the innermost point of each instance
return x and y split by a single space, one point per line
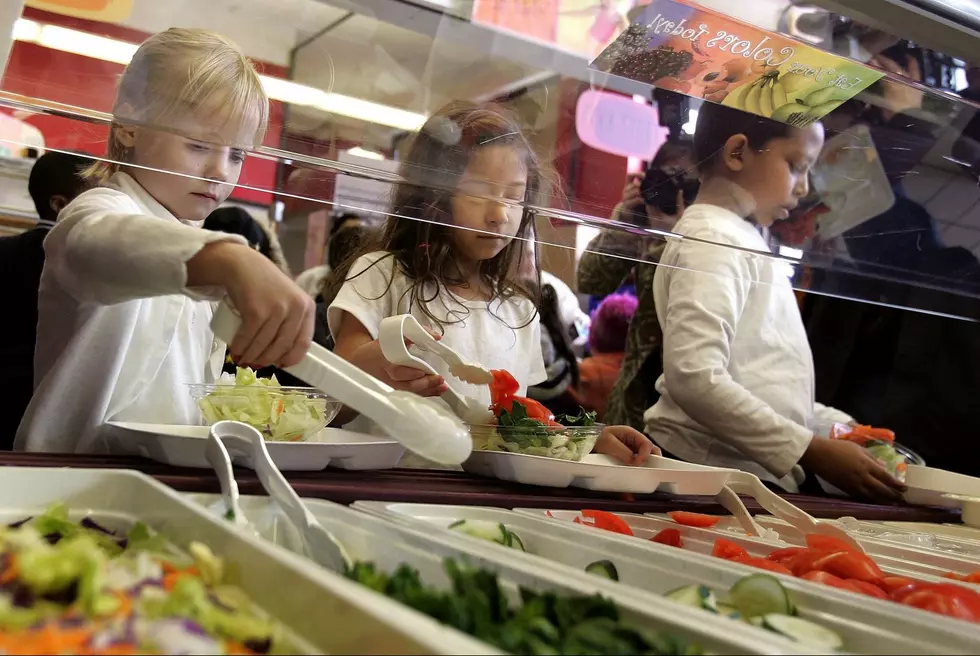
345 241
418 233
718 123
557 331
56 174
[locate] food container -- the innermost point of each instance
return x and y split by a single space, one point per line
560 442
348 620
281 414
367 537
650 569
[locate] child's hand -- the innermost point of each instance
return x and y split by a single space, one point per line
370 358
277 316
626 444
851 468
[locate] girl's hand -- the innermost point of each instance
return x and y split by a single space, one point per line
277 316
851 468
370 358
626 444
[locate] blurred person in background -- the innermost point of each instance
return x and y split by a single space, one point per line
655 199
54 181
311 280
237 221
557 392
346 240
607 346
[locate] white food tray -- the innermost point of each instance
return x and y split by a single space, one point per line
876 628
600 472
368 537
184 446
348 619
964 533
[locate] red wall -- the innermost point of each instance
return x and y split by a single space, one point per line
91 83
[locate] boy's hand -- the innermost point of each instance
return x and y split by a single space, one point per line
277 316
851 468
626 444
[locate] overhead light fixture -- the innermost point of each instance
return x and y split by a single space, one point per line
121 52
357 151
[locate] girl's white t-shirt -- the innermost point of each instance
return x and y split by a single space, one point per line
503 334
119 334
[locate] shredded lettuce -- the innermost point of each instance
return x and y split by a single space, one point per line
280 414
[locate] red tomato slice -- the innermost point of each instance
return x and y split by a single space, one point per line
938 601
850 565
728 550
608 521
826 543
503 386
762 563
972 577
869 589
786 555
804 561
696 520
829 579
534 409
669 536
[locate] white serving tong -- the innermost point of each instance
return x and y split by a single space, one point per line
392 335
421 425
750 485
242 439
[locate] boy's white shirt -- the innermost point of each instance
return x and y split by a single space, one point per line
119 333
375 289
738 382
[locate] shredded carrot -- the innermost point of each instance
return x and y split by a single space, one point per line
11 571
237 649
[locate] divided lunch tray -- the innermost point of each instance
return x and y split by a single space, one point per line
325 613
600 472
184 446
650 570
367 537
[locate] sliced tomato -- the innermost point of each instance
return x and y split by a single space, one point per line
533 409
954 576
669 536
972 577
786 555
696 520
829 579
503 386
934 599
608 521
804 561
728 550
762 563
850 565
869 589
548 514
892 583
826 543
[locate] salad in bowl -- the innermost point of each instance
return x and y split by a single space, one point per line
281 414
523 425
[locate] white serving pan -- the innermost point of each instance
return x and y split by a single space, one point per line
184 446
600 472
347 619
876 628
368 537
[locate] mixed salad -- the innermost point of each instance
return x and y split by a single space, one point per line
522 425
281 414
540 623
80 588
879 442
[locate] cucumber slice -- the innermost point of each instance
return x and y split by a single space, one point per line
489 531
514 541
603 568
729 610
802 631
698 596
760 594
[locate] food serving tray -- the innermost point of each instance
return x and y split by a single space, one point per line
599 472
652 569
368 537
347 619
184 446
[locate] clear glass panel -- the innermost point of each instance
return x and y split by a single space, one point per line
892 217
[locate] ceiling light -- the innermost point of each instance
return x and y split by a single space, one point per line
357 151
121 52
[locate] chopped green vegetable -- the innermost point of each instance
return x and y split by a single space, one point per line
545 623
760 594
489 531
697 596
604 568
802 631
583 418
516 432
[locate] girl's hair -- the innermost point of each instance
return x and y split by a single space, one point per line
418 234
178 72
557 331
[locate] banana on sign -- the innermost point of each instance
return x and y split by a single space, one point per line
705 54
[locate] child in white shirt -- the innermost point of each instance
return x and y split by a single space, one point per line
124 317
737 388
449 255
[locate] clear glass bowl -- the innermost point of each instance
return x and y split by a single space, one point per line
281 414
561 442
